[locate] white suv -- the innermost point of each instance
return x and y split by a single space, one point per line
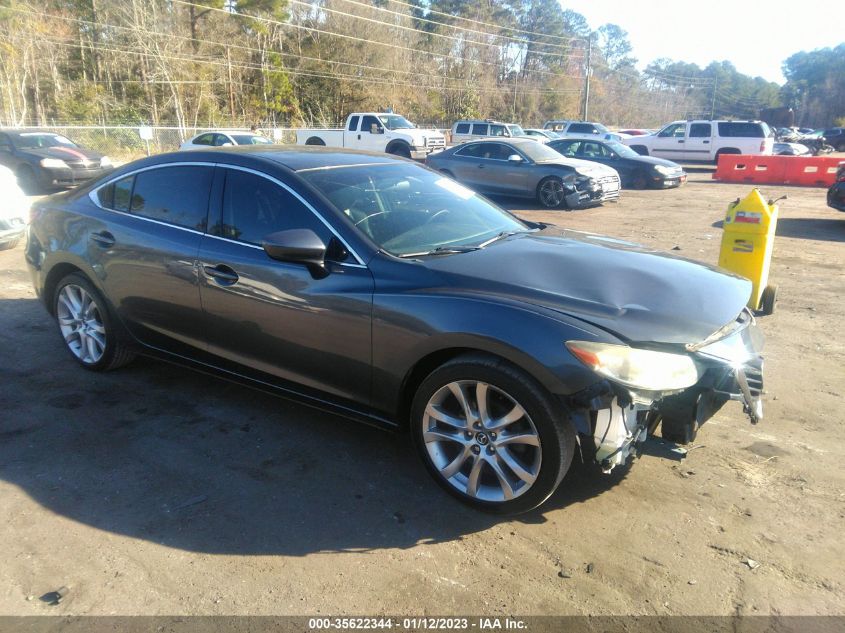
472 130
582 129
705 140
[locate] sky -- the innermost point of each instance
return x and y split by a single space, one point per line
755 37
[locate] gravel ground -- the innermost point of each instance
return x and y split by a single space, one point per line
152 490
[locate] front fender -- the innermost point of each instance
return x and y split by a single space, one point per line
409 328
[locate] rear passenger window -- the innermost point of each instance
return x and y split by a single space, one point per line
473 150
582 128
254 207
205 139
116 195
479 129
700 130
353 124
741 129
176 195
463 128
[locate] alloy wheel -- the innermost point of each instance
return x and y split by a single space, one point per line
482 441
81 324
551 193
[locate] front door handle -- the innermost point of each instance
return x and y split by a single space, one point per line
222 274
103 238
681 141
481 166
706 142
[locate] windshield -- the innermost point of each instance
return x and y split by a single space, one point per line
538 152
395 122
601 128
623 150
408 210
515 130
250 139
33 140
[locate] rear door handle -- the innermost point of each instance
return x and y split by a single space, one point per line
103 238
481 166
681 141
706 142
222 274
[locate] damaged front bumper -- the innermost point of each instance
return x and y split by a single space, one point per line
619 418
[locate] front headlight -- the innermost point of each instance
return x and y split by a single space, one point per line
105 161
53 163
637 368
662 169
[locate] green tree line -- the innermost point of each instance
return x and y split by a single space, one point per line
198 63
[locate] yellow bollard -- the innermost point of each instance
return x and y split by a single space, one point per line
747 242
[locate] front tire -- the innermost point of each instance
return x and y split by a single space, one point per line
551 194
400 150
490 435
86 326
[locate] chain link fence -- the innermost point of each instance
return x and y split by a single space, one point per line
124 143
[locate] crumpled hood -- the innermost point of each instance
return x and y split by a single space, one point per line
636 293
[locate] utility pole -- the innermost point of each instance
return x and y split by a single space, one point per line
231 89
713 101
587 72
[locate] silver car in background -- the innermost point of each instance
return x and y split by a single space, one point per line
525 168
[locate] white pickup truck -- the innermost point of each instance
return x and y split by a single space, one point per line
377 132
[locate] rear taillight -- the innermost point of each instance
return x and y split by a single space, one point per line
762 147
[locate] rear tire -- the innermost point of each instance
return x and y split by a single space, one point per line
490 435
87 327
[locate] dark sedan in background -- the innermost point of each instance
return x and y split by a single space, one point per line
525 168
374 287
45 160
636 172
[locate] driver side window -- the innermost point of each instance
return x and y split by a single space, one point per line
368 122
676 130
253 207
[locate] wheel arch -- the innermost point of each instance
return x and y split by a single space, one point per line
433 359
397 144
315 140
56 274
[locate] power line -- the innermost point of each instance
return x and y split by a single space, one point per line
349 37
233 46
509 28
460 28
321 75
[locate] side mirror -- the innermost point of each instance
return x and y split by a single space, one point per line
375 129
514 158
297 246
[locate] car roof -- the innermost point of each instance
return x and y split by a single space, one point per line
299 158
507 140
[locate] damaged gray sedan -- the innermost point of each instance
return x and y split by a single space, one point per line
387 293
525 168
